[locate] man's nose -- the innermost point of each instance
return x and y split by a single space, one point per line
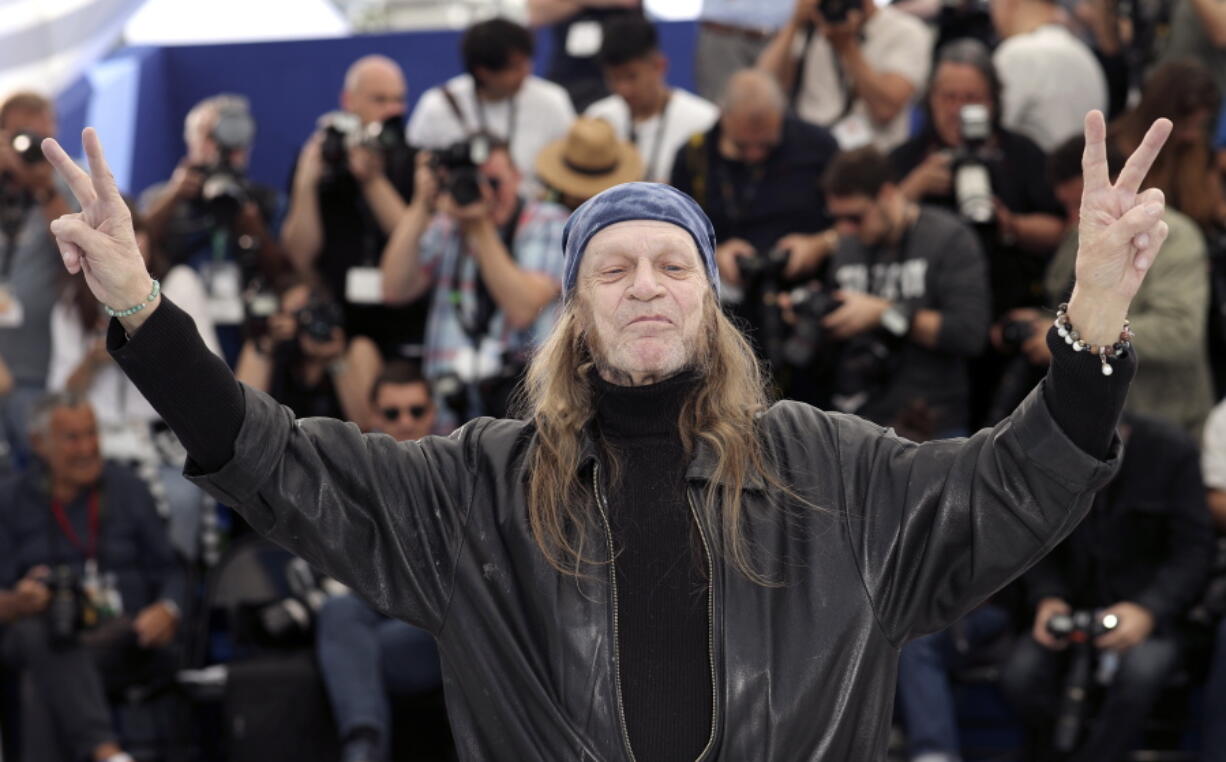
646 281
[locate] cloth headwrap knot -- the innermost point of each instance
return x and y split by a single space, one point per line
636 201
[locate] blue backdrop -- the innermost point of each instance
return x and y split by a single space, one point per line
137 98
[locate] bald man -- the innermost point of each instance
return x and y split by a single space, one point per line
338 223
756 174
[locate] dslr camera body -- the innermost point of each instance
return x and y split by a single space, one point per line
458 168
15 200
343 131
1079 630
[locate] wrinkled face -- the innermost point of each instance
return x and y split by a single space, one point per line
379 94
859 216
954 86
639 82
750 136
405 411
645 291
70 447
503 83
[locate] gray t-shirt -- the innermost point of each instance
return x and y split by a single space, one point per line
1187 39
34 278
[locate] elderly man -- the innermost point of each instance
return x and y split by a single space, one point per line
655 564
70 518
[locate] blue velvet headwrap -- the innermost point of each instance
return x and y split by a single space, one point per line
636 201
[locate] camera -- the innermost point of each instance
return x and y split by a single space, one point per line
458 168
225 188
808 339
78 605
1015 333
29 147
343 131
319 318
836 11
1078 629
972 176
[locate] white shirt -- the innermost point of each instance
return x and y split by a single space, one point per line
122 412
660 137
1050 80
893 42
1213 456
540 113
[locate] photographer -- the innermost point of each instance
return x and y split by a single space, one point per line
366 657
912 301
30 279
1015 212
1142 556
90 590
211 217
497 96
1168 314
853 67
494 260
757 175
306 361
350 186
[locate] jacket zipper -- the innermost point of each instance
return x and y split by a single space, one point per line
710 621
617 672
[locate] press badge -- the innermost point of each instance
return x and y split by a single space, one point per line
364 285
223 281
12 314
584 39
472 364
852 133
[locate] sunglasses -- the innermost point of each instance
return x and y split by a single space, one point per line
416 412
855 218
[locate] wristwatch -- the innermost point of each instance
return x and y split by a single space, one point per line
897 320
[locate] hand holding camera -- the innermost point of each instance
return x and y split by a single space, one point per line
933 177
1049 608
1134 624
23 163
33 595
857 313
727 257
186 181
155 626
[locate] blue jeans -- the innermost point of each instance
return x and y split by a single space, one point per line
365 656
925 696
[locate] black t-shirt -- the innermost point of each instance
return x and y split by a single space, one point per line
764 203
352 238
1019 180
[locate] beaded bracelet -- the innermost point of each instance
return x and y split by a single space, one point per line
1105 353
157 289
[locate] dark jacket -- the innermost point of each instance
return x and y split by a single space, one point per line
905 539
763 204
1147 540
132 538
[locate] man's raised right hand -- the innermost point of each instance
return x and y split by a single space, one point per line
99 240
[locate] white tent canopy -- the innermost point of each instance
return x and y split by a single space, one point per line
176 22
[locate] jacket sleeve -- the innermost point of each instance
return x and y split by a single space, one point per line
962 295
382 517
1181 579
937 528
1168 314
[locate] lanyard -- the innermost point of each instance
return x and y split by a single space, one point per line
61 518
477 326
511 112
650 167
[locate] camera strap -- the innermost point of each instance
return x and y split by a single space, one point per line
661 125
89 548
476 327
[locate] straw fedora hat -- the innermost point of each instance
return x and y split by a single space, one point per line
588 160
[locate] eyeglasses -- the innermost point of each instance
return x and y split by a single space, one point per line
416 412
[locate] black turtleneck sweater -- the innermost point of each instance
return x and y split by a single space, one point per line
663 618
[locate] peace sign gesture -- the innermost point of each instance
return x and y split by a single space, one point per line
1121 231
99 240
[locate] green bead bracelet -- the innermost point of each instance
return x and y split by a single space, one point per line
157 289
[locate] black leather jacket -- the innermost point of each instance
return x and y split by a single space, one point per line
908 537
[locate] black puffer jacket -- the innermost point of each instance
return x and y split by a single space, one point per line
909 537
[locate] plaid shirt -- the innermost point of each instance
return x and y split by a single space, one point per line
537 247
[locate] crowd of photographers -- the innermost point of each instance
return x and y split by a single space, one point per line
895 190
